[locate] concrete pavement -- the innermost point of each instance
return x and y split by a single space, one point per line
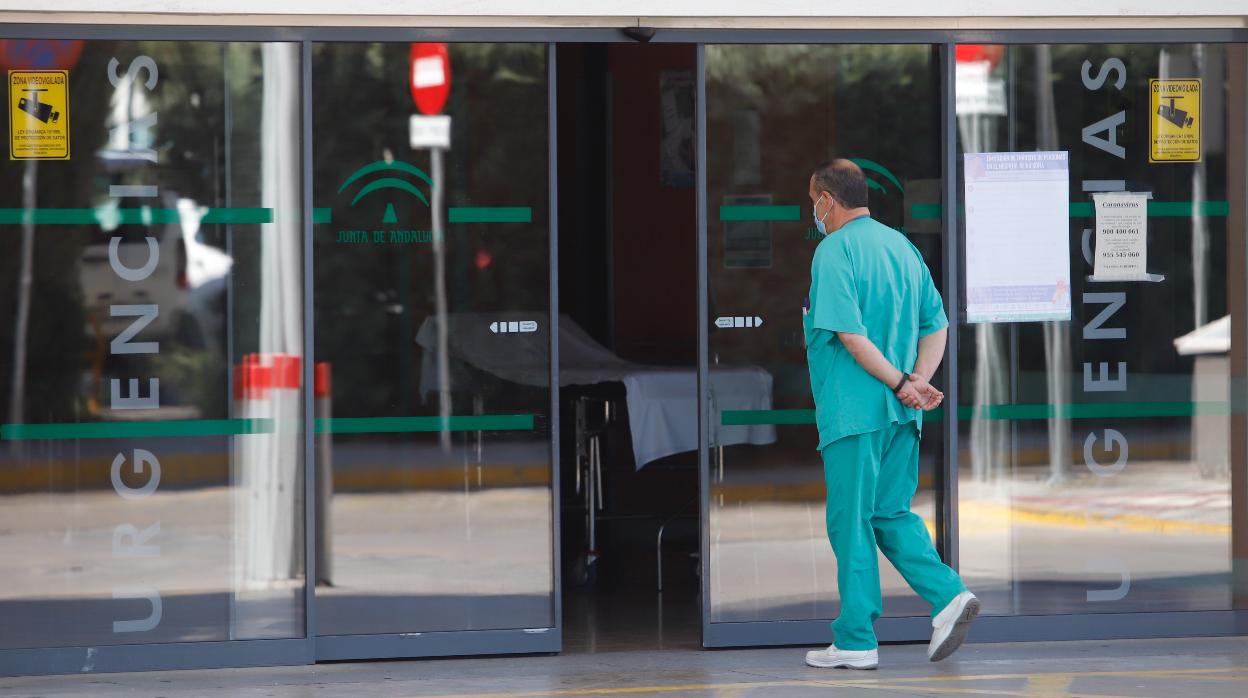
1209 668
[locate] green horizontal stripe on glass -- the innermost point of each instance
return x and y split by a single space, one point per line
490 214
1098 410
111 217
236 427
1083 209
760 213
396 425
322 215
1214 209
240 216
134 430
742 418
89 216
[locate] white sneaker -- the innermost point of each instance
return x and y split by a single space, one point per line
833 658
951 625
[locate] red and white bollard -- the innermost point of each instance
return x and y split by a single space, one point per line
265 473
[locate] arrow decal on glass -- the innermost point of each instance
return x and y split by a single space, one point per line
509 327
725 323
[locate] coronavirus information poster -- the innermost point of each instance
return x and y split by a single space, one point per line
1121 236
1017 237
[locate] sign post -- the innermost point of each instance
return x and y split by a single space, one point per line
430 82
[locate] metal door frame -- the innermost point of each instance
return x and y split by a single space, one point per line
311 648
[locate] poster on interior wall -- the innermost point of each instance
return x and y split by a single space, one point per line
1017 236
747 243
676 128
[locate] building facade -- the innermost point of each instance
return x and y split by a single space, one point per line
302 305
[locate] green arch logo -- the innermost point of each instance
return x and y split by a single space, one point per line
870 167
388 181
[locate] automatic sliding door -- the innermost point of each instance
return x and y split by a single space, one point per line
150 231
1100 464
431 320
774 112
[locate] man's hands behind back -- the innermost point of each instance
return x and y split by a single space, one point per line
919 394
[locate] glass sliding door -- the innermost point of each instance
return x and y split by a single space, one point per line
773 114
432 309
1099 454
151 238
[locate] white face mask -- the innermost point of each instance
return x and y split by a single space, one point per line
819 224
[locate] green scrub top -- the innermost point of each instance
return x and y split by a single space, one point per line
866 278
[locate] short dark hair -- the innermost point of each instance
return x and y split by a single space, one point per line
844 180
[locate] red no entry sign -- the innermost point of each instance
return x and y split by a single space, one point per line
430 77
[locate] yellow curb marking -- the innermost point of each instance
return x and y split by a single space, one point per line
1040 685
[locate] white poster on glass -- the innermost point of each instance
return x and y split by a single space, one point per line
1017 237
1121 237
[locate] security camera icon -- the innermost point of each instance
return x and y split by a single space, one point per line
1174 115
40 110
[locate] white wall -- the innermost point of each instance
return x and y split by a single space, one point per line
707 9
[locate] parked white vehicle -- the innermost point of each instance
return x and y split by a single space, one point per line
186 284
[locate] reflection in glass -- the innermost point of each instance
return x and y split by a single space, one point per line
139 502
1096 476
773 114
432 308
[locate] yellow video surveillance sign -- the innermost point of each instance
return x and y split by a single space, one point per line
1175 132
38 114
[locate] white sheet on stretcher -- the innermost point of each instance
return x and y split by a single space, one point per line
661 400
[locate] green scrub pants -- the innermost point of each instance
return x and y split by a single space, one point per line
871 479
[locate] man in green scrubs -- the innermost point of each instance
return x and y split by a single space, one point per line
875 331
